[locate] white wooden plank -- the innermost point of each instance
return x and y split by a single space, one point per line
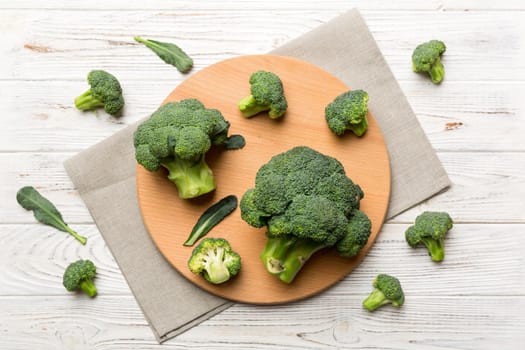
487 187
330 321
488 257
29 117
65 45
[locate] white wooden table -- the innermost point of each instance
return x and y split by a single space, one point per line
475 299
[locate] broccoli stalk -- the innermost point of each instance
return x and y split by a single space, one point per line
267 94
87 101
191 178
387 291
249 106
437 71
105 92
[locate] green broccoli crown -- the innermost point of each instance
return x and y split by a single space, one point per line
426 58
348 111
105 92
267 94
307 203
358 230
215 260
430 229
177 136
79 275
387 291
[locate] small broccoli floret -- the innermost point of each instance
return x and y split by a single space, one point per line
307 203
430 229
79 275
105 92
267 94
348 111
426 58
387 291
215 260
177 137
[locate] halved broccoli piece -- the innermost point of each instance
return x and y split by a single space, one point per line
267 94
215 260
79 275
105 92
426 58
307 203
177 137
348 111
387 291
430 229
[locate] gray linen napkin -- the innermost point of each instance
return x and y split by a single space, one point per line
105 175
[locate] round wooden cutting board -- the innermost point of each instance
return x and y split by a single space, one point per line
308 90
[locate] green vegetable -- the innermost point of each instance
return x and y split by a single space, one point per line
307 203
348 111
387 291
169 53
105 92
215 260
177 137
267 94
44 211
426 58
234 142
79 275
211 217
430 229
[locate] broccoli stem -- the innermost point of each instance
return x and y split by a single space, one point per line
436 248
375 300
284 256
89 287
437 71
249 107
87 101
78 237
191 178
217 272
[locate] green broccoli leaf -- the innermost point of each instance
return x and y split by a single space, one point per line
169 53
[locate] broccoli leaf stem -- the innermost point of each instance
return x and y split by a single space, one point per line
87 101
436 248
285 256
89 287
437 72
78 237
249 106
376 299
191 178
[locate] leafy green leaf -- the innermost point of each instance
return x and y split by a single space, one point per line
211 217
44 211
234 142
169 53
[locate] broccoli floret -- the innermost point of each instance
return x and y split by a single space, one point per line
348 111
105 92
215 260
426 58
267 94
79 275
387 291
430 229
177 137
307 203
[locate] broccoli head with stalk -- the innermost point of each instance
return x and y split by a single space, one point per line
426 58
387 291
307 203
215 260
105 92
267 94
177 137
430 229
348 111
79 275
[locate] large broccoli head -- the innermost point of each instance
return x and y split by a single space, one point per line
79 275
267 94
177 137
430 229
426 58
215 260
307 203
348 111
105 92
